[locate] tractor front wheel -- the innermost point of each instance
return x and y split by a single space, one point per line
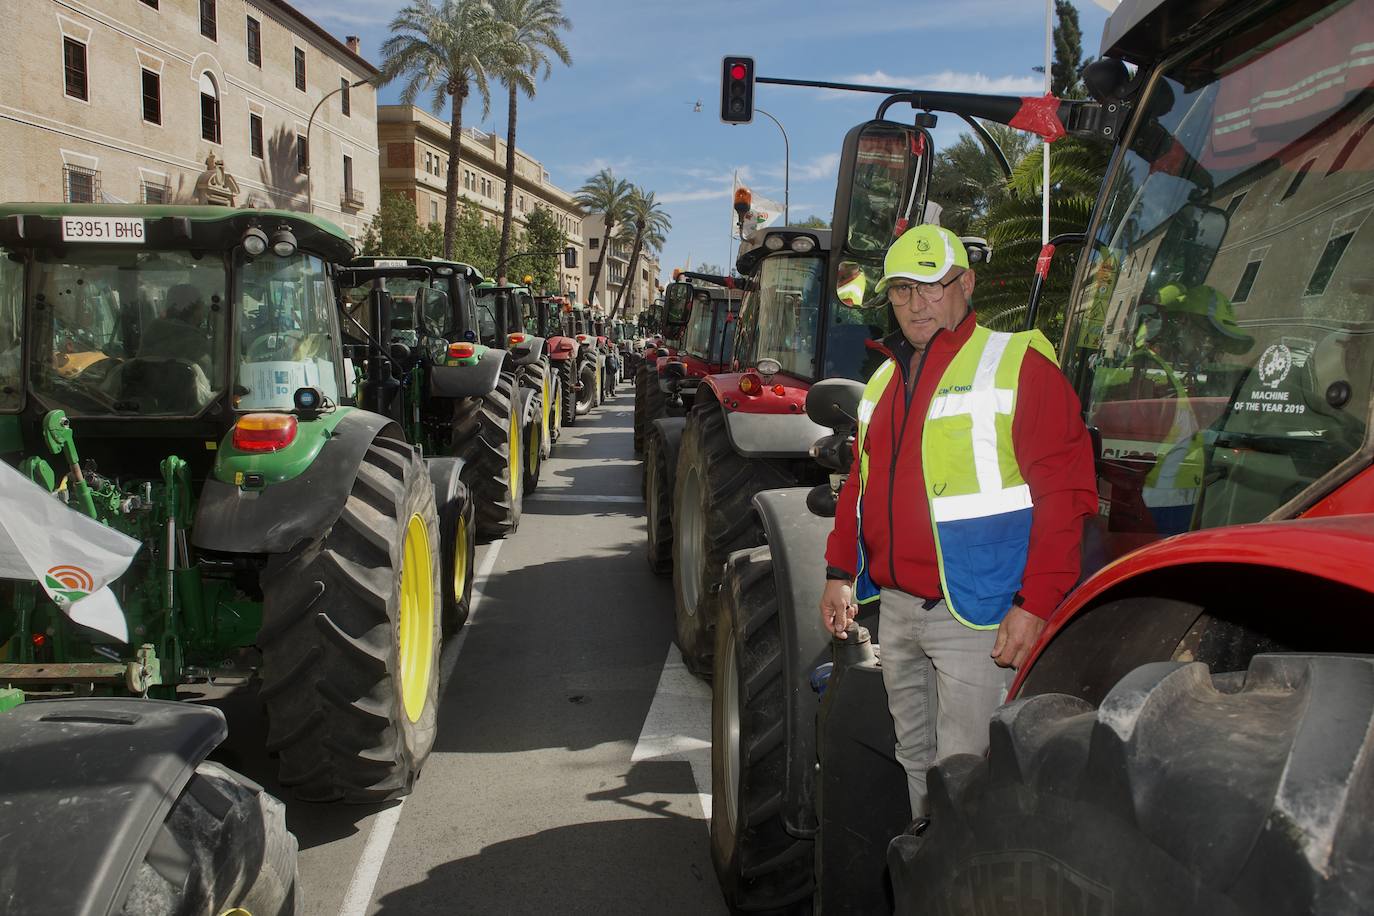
658 504
458 537
491 437
567 388
586 395
534 452
350 639
223 848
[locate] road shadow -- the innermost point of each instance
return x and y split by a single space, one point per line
659 865
561 654
596 479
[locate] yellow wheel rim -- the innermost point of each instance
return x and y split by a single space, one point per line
546 403
513 468
558 410
533 460
416 635
460 560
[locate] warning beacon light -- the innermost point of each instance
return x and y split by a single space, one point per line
744 199
737 90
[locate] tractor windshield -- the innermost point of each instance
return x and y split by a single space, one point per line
11 315
138 333
1222 340
781 313
487 315
286 332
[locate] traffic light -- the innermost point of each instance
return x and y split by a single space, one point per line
737 90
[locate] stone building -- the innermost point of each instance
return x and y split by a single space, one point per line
644 286
136 100
414 162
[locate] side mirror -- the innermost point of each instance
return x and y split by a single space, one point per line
834 402
880 188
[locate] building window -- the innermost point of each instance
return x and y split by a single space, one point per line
429 163
154 193
152 97
1247 282
300 69
1235 202
209 109
254 42
467 179
74 68
152 3
345 90
255 135
348 175
207 19
302 154
1326 265
82 185
594 244
1344 155
433 210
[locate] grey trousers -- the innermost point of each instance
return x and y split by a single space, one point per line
942 686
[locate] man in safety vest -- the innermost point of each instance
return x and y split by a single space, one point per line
852 284
973 474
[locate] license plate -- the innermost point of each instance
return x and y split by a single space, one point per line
120 229
382 262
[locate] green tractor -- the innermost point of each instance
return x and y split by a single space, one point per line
286 534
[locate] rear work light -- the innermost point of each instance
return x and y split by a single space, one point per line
751 385
516 338
264 432
461 350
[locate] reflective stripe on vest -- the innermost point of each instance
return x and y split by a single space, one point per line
980 506
1171 487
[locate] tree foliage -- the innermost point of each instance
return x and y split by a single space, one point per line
968 181
608 195
651 224
395 231
813 222
542 233
1068 52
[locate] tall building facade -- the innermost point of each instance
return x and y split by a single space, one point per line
139 100
641 289
414 163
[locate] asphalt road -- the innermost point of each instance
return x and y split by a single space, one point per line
572 761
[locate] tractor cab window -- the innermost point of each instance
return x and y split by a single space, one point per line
128 332
287 338
697 339
11 328
487 321
788 300
847 332
1222 342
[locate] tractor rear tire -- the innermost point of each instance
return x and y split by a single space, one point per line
538 380
641 423
713 516
350 639
586 395
491 437
658 506
567 382
534 453
760 866
458 540
223 845
1184 792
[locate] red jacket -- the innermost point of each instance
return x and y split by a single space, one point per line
1052 448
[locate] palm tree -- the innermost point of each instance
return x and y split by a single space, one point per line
651 224
529 32
445 49
605 194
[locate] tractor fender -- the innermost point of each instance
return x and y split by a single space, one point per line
772 435
528 351
88 784
473 381
230 519
796 539
562 348
528 408
669 429
443 468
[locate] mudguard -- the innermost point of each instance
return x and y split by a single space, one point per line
88 783
233 520
528 351
467 381
669 429
796 539
772 435
528 408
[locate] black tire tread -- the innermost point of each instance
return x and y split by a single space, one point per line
658 521
481 435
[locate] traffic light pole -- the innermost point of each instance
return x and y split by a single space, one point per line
786 168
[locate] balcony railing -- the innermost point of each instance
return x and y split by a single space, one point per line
353 199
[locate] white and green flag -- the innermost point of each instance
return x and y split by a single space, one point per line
72 556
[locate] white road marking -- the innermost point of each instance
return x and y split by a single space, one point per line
582 498
369 868
678 726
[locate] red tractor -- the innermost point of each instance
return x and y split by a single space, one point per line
1194 730
547 321
708 342
665 327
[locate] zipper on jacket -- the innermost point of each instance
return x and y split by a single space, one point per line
908 392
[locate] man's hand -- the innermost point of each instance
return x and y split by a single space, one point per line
1016 637
837 606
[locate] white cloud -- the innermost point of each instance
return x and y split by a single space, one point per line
682 197
947 81
816 169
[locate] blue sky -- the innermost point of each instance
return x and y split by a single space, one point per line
640 65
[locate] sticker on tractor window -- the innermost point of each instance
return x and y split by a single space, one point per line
127 230
71 582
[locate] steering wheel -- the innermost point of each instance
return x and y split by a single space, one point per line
278 345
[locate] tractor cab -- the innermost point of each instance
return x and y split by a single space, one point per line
502 311
444 291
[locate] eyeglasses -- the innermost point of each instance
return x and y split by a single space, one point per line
900 293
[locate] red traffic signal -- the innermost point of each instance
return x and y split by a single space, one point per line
737 90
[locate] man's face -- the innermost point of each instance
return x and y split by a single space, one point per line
920 319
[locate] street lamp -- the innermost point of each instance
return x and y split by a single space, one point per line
309 191
786 164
